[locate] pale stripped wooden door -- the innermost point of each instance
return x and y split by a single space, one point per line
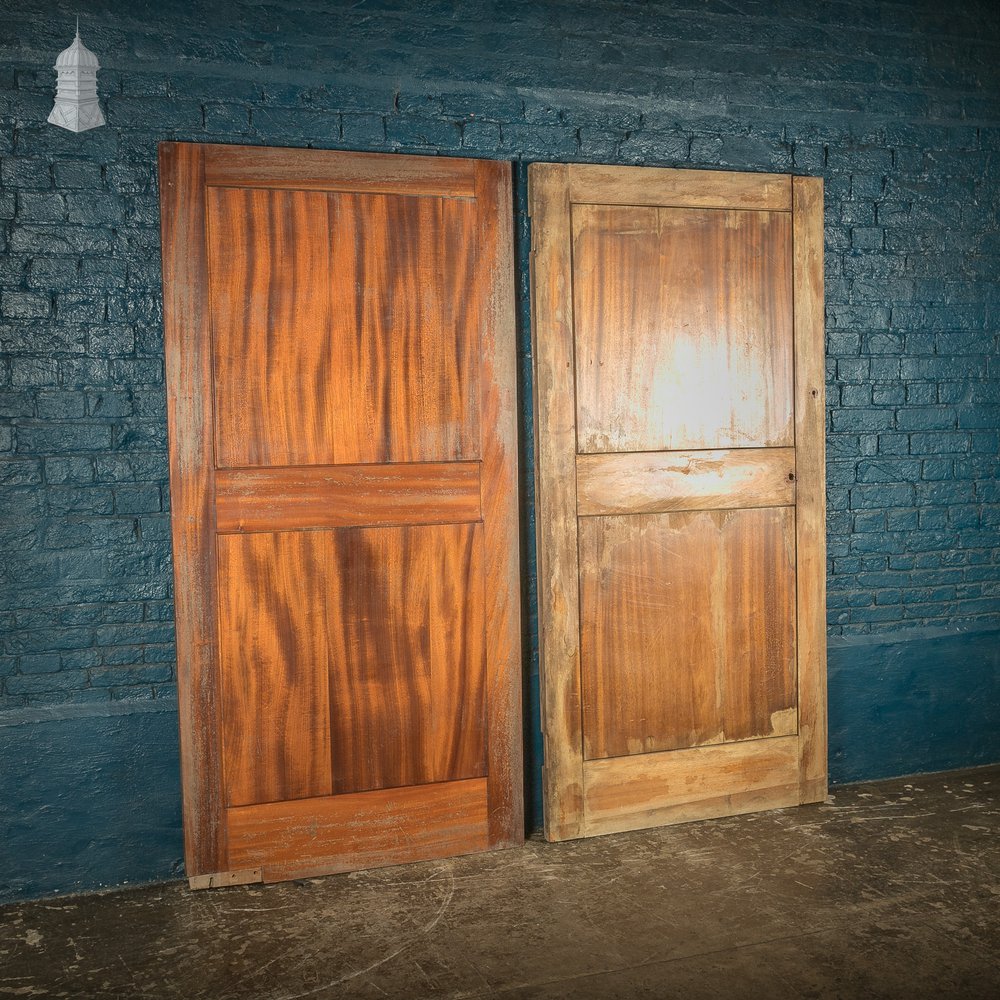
678 355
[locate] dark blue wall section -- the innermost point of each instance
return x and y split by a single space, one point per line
895 104
927 703
91 798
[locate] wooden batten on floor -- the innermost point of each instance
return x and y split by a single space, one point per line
220 879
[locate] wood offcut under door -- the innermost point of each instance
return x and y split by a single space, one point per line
678 322
340 371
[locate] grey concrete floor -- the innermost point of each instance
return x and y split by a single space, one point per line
891 889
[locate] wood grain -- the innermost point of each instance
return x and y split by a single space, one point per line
337 496
757 645
555 498
647 482
187 348
673 565
248 876
687 629
341 833
810 431
356 313
683 323
274 662
328 170
380 289
630 793
498 379
407 660
660 186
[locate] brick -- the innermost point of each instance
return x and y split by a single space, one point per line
926 418
535 140
152 113
39 663
80 500
226 118
16 403
97 272
76 174
862 420
41 207
855 395
481 136
34 239
25 173
411 130
39 439
20 472
128 675
76 469
79 659
25 305
882 343
867 238
137 499
937 444
889 471
881 496
36 683
34 372
94 208
53 272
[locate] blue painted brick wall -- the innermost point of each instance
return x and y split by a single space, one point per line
896 105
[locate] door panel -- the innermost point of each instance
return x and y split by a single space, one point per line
287 266
340 355
679 429
274 661
687 627
299 839
683 327
407 696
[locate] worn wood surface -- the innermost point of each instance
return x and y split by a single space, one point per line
339 496
498 400
597 184
367 830
286 268
187 349
248 876
629 793
329 170
678 681
555 498
646 482
810 436
687 624
359 493
683 328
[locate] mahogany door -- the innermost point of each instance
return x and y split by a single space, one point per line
680 422
340 369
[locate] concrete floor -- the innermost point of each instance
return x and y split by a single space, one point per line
890 890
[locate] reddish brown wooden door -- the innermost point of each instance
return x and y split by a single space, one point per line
679 380
340 361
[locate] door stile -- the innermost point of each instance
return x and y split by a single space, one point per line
498 485
810 452
188 358
556 501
